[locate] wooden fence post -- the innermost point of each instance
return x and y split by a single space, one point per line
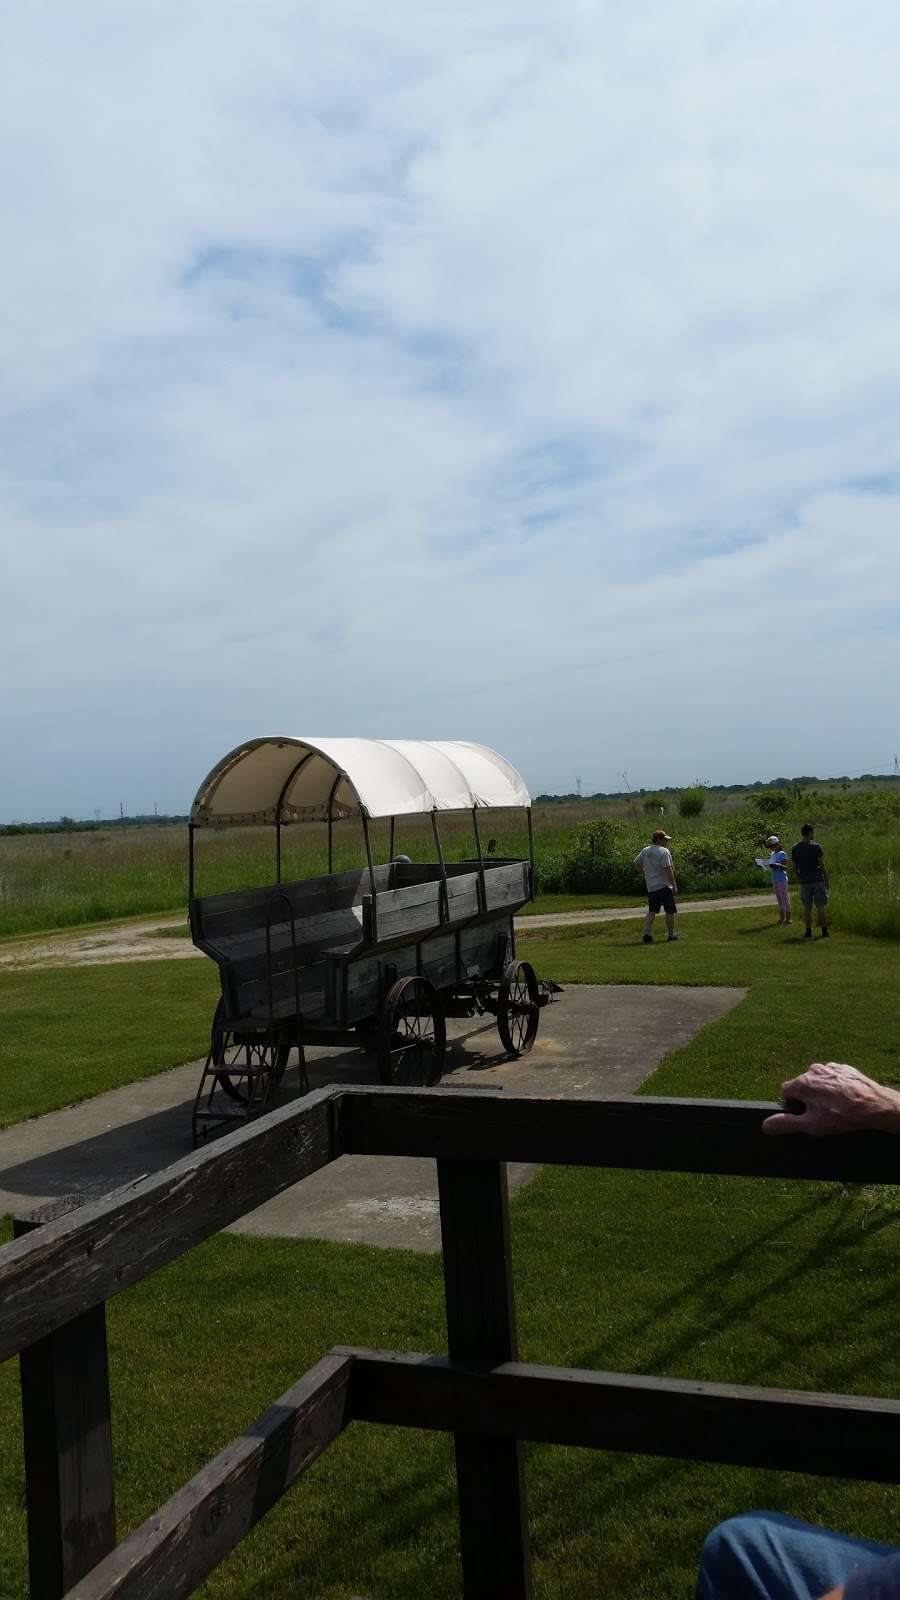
69 1485
481 1327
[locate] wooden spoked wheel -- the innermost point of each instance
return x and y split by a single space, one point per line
252 1051
518 1008
412 1034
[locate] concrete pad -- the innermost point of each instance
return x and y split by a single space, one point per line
598 1040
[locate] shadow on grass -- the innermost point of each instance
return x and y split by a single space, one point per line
641 1490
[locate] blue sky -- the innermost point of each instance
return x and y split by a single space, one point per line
503 372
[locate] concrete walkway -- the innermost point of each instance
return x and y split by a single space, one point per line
598 1040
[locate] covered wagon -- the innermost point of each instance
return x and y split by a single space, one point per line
378 956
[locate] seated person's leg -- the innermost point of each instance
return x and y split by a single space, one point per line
767 1556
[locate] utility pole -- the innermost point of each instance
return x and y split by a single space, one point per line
578 787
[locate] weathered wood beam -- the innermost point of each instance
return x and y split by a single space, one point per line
843 1436
69 1485
175 1549
481 1326
62 1269
712 1136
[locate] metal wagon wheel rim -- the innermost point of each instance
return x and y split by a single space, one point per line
518 1008
412 1034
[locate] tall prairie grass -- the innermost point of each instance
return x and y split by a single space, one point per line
63 880
864 872
69 879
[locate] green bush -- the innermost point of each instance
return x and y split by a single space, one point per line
770 805
691 801
598 858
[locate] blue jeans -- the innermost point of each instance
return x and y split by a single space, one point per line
765 1556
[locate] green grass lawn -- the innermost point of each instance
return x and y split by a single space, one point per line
807 1000
723 1279
71 1032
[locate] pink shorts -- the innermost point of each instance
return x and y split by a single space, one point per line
783 896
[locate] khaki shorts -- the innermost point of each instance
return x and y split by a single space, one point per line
813 894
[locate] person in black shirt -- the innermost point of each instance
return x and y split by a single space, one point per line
809 865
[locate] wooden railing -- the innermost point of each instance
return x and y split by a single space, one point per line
55 1280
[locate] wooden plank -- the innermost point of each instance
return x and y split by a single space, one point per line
507 886
69 1486
655 1134
238 922
310 932
845 1436
251 1000
481 1326
243 909
332 885
248 959
405 913
478 945
176 1548
61 1270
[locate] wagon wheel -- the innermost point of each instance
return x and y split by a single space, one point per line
412 1034
518 1008
228 1050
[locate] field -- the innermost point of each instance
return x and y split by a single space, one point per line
58 880
721 1279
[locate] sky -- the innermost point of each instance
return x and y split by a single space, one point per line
499 371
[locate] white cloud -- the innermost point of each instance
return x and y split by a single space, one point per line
478 372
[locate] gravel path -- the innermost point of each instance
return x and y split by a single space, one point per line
565 919
141 941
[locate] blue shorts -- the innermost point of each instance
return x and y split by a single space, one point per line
662 900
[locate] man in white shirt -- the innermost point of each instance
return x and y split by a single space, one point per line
655 861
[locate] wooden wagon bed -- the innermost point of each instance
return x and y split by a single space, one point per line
346 945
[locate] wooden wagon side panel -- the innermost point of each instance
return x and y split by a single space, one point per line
507 885
357 988
416 911
252 997
218 917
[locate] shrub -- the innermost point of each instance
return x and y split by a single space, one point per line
769 805
600 857
691 801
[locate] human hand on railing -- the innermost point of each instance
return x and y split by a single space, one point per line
836 1098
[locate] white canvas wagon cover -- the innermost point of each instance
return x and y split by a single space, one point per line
306 780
